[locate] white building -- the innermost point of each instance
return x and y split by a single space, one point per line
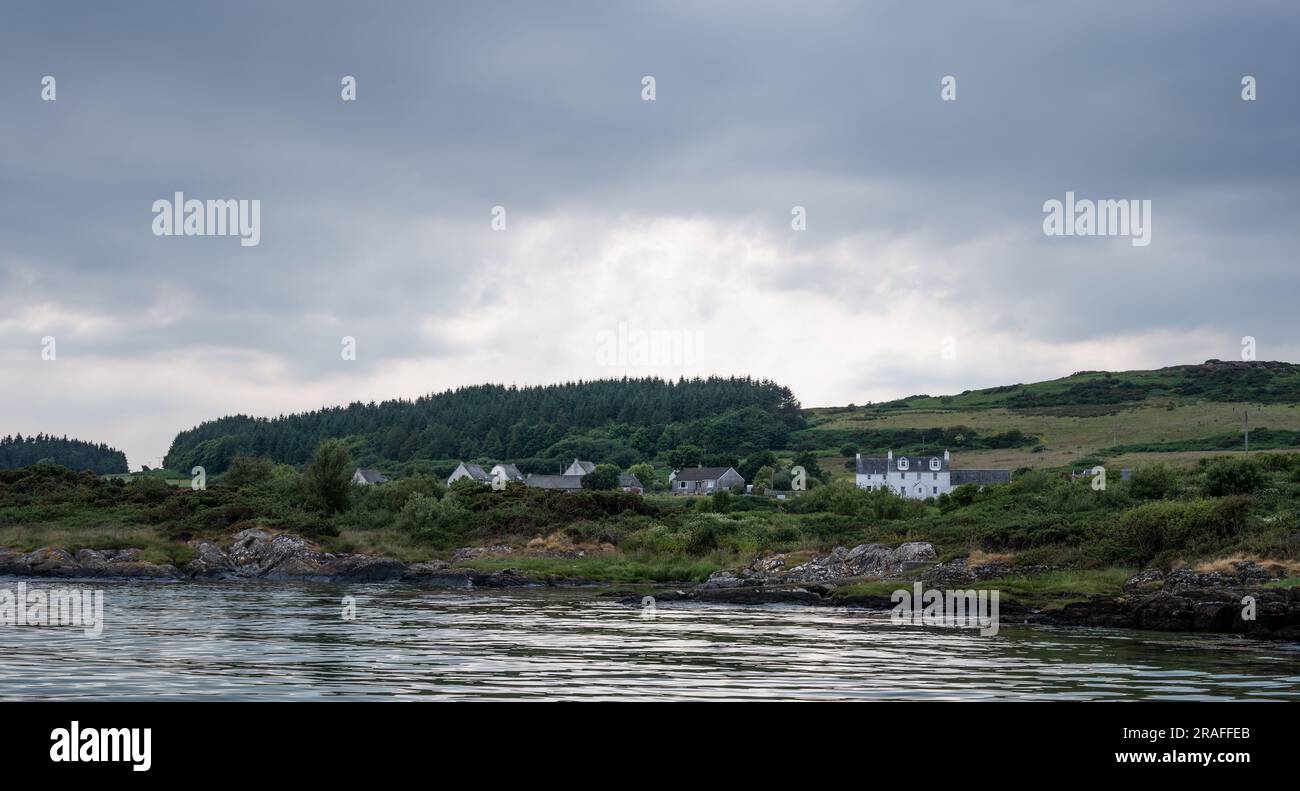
508 473
467 470
920 477
367 477
580 467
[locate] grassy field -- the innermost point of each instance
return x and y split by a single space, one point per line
1065 438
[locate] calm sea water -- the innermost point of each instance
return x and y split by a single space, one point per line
252 641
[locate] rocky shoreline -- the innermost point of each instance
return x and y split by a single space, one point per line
1181 600
254 554
1216 609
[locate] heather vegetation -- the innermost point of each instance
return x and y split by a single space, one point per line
1161 515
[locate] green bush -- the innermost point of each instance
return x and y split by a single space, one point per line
148 489
248 470
1153 482
439 522
1195 527
1232 476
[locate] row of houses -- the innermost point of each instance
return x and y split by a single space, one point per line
692 480
915 477
570 479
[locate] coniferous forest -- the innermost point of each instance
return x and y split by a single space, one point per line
618 420
19 451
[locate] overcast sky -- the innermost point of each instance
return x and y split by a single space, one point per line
924 216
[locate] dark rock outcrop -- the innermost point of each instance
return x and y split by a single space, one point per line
959 572
87 563
1276 611
811 594
255 554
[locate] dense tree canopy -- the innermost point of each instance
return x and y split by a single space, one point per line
74 454
618 420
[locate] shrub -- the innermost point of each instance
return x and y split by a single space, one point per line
1193 527
248 470
432 520
603 477
149 489
1153 482
1232 476
327 479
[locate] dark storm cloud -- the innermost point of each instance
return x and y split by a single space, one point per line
375 213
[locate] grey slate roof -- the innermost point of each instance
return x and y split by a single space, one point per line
554 481
476 472
701 473
629 481
877 465
981 477
585 466
372 476
512 472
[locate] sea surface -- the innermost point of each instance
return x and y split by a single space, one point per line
259 641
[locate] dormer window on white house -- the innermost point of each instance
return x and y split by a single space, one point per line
902 463
935 463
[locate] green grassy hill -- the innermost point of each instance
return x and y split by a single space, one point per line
1176 415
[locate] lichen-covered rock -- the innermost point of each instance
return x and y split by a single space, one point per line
863 560
285 556
87 563
210 560
959 572
1145 580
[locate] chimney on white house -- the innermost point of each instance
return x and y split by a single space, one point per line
891 454
945 454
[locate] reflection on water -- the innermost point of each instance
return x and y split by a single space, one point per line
255 641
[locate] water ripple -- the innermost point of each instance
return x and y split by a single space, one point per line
262 641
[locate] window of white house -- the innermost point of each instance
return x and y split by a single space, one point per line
710 484
936 476
683 484
936 490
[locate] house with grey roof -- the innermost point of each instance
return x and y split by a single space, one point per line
561 482
366 477
920 477
630 483
580 468
467 470
507 472
704 480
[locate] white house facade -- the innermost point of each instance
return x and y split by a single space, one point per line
467 470
920 477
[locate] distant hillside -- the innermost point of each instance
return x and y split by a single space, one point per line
20 451
622 421
1177 415
1213 380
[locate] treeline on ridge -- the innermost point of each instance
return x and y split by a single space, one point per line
19 451
623 421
